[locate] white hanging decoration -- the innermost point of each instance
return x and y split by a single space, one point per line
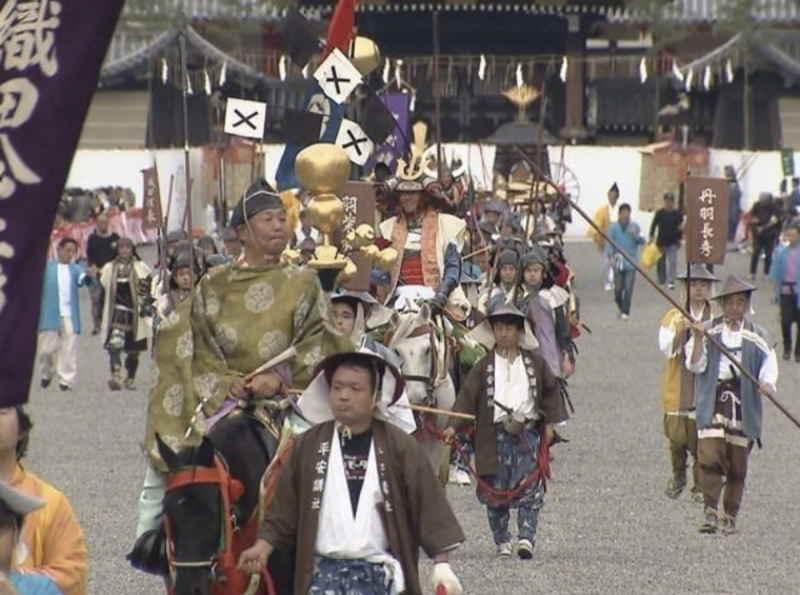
729 71
564 69
387 69
282 68
482 68
304 72
643 70
412 104
189 87
164 71
707 78
223 74
689 80
398 73
520 79
676 71
207 82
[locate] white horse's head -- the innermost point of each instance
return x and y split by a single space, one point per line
413 340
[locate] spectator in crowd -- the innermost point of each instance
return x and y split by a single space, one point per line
627 236
50 543
60 318
100 250
793 200
765 227
735 202
786 275
603 218
667 230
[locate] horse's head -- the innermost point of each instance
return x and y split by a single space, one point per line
413 340
197 516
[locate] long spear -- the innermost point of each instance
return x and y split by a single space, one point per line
724 350
437 97
186 160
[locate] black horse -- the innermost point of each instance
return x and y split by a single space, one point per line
224 471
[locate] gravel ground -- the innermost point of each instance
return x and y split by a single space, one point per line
607 526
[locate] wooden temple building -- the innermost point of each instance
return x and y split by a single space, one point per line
606 68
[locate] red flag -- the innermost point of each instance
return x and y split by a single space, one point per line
342 27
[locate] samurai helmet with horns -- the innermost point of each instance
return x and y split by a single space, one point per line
410 176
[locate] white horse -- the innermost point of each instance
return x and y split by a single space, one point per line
422 345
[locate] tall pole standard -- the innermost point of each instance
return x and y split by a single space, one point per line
186 159
437 95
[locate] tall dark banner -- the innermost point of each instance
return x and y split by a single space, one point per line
50 58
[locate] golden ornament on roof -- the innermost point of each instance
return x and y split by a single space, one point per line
522 96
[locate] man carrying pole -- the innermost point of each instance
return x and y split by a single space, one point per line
728 409
715 344
677 386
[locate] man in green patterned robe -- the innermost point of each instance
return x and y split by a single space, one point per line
240 316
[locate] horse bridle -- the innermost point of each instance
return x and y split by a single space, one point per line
231 490
432 381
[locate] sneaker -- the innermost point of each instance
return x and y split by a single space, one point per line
709 524
46 382
728 525
670 285
64 387
114 383
608 287
624 316
504 550
463 478
786 356
697 496
525 549
95 331
130 384
675 487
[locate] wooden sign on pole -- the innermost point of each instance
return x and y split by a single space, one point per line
359 207
706 219
152 199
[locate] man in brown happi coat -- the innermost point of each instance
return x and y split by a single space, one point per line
514 397
357 498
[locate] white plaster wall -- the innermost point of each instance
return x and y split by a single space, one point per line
597 169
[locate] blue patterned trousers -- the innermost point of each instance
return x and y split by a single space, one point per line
527 523
349 577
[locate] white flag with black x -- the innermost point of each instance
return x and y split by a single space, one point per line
245 118
354 142
337 76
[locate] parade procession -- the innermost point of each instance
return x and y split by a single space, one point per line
365 297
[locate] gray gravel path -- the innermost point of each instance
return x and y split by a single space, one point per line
606 526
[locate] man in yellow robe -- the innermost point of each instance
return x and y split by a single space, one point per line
603 218
241 315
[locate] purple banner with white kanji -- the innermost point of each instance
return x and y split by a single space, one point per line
51 52
396 145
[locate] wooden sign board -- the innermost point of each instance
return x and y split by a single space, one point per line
706 220
359 207
152 199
